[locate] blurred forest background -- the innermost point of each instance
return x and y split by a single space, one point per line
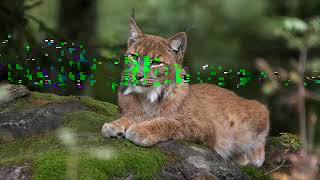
231 34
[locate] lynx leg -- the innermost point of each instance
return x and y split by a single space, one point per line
257 156
151 132
116 128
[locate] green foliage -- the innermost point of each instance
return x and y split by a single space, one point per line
313 65
287 140
234 9
255 174
290 140
270 87
300 34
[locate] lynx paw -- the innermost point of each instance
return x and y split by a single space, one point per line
140 136
113 130
242 159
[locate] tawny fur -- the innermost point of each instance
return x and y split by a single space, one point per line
235 127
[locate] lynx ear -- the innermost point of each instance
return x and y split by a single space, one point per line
134 32
178 43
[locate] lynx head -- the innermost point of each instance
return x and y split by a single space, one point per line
152 63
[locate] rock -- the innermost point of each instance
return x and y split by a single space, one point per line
36 119
197 162
10 92
15 173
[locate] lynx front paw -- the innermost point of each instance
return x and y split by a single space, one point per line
113 130
140 136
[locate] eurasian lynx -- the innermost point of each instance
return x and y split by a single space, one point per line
235 127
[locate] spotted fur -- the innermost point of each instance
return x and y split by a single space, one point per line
235 127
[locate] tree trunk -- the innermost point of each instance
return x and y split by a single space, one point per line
12 29
12 36
78 19
78 22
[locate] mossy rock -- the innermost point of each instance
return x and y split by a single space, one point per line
49 154
76 148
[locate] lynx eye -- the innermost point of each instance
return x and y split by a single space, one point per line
133 57
156 62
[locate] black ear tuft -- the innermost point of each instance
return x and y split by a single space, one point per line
133 16
134 32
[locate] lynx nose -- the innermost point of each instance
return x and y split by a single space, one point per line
139 76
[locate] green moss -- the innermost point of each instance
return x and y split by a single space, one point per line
26 149
86 121
139 162
20 103
49 157
50 97
50 166
5 136
100 107
142 163
35 99
255 174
